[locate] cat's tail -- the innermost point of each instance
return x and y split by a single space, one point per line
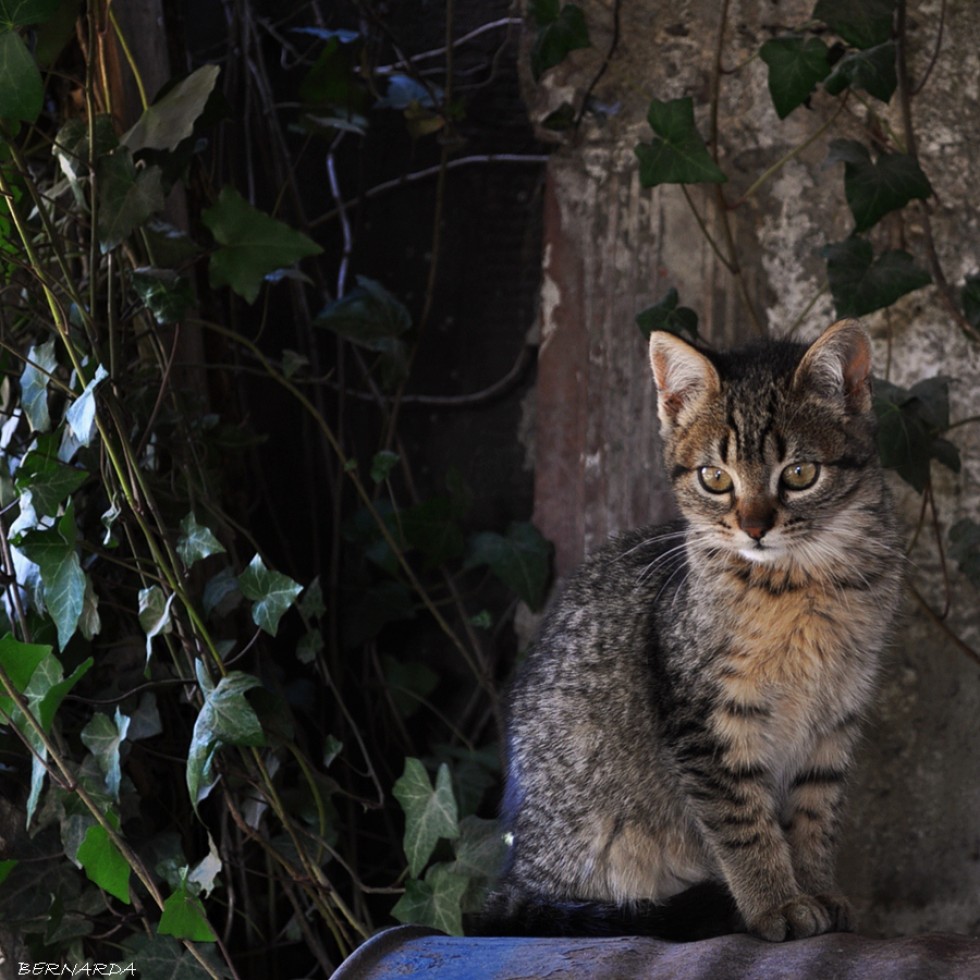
702 912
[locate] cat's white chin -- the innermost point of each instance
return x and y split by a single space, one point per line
763 556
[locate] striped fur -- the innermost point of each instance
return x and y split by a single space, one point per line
689 711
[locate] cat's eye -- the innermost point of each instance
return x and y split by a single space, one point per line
714 479
800 476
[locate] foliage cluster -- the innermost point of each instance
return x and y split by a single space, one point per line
200 751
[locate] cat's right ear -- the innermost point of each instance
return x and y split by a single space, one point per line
683 375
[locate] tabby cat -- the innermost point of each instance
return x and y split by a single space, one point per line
680 733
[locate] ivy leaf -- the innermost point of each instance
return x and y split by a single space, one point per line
183 917
561 30
21 13
48 687
430 814
874 189
226 718
19 660
154 614
382 464
971 300
49 480
872 70
41 365
795 64
480 854
667 315
374 319
521 559
21 89
430 528
170 121
165 293
861 284
964 548
103 736
271 593
43 695
62 578
196 542
910 426
863 25
677 154
252 244
435 902
103 863
127 196
81 413
165 958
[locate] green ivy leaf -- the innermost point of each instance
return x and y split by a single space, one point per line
41 365
795 64
80 416
19 660
21 89
667 315
103 863
560 32
864 25
521 559
154 614
971 300
165 958
435 902
103 736
127 197
910 426
271 593
677 154
196 542
382 465
480 854
170 121
872 70
374 319
43 695
49 481
431 529
62 578
861 284
252 244
6 867
874 189
964 548
22 13
430 814
165 293
226 718
183 917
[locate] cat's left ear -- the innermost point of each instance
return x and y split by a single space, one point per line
838 365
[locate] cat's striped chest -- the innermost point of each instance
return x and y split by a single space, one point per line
797 659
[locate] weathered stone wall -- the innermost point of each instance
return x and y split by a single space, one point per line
912 854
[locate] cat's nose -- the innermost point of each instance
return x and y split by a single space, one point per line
756 520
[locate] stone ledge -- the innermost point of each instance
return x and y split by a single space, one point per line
414 951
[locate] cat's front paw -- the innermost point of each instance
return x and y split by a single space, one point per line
798 918
839 909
